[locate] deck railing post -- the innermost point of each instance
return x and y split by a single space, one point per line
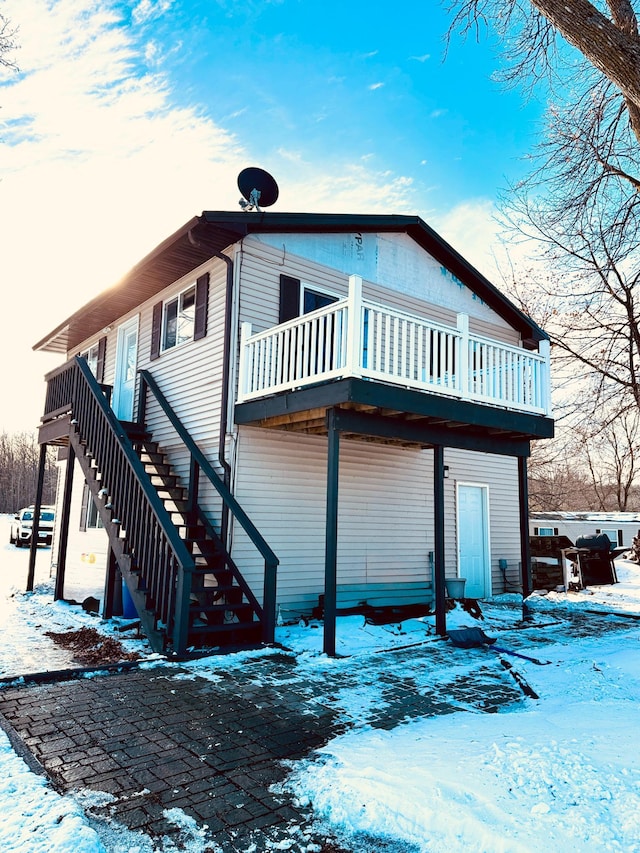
269 602
181 614
194 485
462 324
243 367
544 348
354 327
142 400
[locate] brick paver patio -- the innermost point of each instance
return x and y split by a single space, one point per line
161 737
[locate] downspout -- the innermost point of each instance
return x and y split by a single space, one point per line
226 362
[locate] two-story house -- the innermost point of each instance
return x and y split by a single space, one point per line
274 407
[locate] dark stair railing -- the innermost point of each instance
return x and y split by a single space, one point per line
200 464
152 558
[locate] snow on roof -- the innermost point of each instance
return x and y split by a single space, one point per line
596 517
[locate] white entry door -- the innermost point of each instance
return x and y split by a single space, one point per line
473 540
124 385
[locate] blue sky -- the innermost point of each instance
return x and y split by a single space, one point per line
127 117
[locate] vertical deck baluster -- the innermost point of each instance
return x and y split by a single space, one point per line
491 376
298 352
375 318
394 346
332 347
306 349
314 360
413 354
278 368
286 368
260 358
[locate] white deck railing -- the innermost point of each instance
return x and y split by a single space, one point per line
393 347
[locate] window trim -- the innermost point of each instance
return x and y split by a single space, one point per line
100 347
321 291
200 317
177 299
89 515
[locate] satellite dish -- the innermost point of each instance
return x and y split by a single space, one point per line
258 188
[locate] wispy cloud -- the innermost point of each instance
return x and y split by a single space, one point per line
95 154
438 113
375 86
371 54
290 155
423 58
100 157
354 188
149 10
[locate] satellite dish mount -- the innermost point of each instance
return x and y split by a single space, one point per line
258 189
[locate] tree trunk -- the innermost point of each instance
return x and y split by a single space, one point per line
613 49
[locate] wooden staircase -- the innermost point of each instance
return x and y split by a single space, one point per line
220 614
188 592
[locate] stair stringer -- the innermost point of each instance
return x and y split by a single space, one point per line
157 638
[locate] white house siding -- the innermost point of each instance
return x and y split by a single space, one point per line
500 475
393 262
86 559
386 494
385 527
189 375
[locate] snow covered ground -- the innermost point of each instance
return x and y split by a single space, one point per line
558 773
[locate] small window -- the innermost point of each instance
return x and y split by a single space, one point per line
90 519
94 357
545 531
313 299
613 536
178 320
91 356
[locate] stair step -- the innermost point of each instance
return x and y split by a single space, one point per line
158 469
213 608
168 481
135 431
224 578
215 592
175 493
206 548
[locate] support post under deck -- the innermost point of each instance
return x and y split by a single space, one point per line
525 549
42 465
64 526
438 518
331 535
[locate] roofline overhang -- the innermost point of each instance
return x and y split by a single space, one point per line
201 237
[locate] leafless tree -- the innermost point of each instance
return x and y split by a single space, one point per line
592 466
594 127
8 43
581 206
19 458
611 450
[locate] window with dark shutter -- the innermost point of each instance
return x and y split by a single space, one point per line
202 304
289 298
95 358
156 331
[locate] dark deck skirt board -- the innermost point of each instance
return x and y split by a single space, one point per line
477 427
